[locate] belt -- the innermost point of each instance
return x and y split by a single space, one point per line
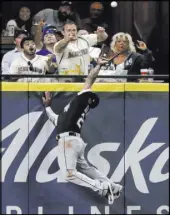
65 134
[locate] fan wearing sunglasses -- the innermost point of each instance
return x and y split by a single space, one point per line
31 63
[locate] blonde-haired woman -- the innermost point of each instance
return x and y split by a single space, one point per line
128 60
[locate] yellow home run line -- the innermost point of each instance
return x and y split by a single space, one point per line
147 87
60 87
75 87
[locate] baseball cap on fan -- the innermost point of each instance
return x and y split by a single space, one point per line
48 26
66 3
20 31
50 29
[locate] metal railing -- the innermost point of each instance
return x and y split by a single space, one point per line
10 76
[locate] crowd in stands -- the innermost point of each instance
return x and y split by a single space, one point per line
59 42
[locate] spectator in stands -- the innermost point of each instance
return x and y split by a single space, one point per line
31 63
49 37
72 52
22 21
128 61
57 18
10 56
95 18
42 30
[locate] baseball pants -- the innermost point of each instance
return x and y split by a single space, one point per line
74 167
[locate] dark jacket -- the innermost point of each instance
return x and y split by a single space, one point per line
135 62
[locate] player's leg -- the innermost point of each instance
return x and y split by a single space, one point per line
94 173
69 150
88 170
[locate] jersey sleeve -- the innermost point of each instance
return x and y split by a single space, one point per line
91 39
14 67
5 64
57 53
51 115
44 60
84 91
42 15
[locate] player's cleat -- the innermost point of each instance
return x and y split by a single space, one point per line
116 189
102 187
110 195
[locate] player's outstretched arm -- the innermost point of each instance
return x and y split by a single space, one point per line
93 74
47 99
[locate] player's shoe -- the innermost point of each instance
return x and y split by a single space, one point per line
103 187
109 195
116 189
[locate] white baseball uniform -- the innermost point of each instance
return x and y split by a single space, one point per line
20 66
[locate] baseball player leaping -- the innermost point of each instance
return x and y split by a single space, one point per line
71 146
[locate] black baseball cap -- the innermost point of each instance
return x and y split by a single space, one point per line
66 3
20 31
26 39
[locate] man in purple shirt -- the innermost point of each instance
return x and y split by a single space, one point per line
50 36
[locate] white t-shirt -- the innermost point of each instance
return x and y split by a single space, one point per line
8 58
75 59
111 71
20 66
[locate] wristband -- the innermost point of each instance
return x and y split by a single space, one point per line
47 105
